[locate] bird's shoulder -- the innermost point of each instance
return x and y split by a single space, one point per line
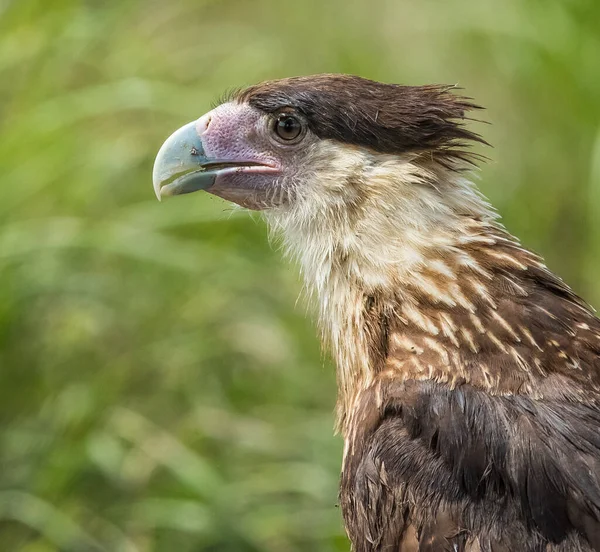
494 316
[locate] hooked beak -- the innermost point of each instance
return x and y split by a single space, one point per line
220 157
183 167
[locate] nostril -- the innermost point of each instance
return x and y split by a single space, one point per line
202 124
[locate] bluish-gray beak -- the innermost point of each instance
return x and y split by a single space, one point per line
181 166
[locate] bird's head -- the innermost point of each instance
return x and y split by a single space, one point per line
322 138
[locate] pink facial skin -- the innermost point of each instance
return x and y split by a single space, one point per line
238 132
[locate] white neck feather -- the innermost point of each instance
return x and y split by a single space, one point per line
363 225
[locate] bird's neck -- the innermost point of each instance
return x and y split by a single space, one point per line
375 251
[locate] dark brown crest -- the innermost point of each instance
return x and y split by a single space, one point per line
387 118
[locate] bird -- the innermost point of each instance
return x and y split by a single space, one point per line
468 373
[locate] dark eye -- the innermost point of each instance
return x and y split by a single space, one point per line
287 127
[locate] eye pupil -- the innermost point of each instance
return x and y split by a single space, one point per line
288 127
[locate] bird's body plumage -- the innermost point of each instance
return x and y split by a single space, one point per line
469 378
469 374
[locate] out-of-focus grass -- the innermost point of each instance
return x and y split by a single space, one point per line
159 389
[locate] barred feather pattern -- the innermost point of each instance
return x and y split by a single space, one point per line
469 374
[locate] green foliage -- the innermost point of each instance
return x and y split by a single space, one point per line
160 389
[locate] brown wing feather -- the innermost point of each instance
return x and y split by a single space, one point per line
484 429
506 324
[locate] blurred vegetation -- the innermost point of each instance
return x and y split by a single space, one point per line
160 388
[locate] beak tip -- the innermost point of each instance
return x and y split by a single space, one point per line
173 157
157 190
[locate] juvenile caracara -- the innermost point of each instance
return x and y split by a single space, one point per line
469 374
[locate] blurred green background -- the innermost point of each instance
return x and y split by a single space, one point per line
161 389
